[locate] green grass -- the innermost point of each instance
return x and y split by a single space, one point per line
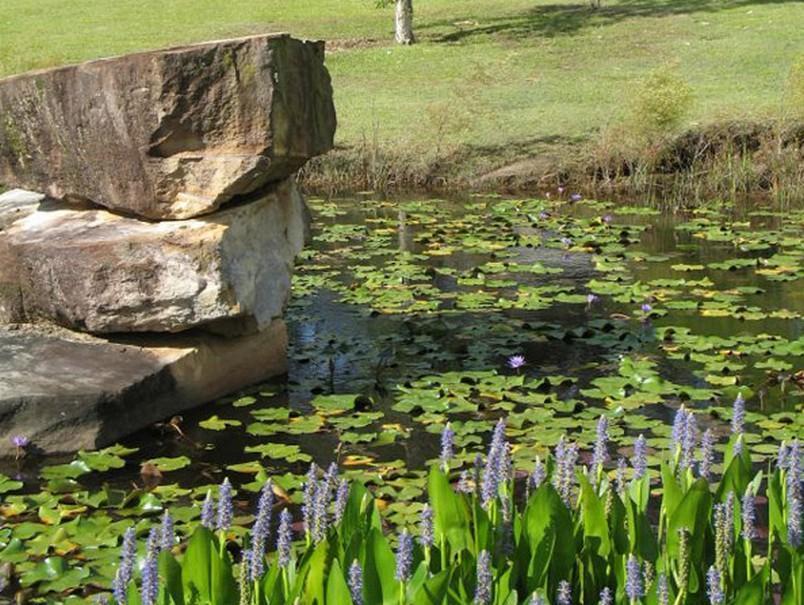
500 78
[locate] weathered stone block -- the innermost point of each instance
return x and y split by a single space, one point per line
65 391
95 271
172 133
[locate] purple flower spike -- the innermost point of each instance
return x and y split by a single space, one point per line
685 437
536 599
738 415
167 533
495 471
284 538
149 591
447 446
749 516
707 454
662 590
538 475
426 532
225 510
516 361
404 557
126 568
356 582
713 587
208 512
794 495
341 499
566 455
308 504
564 593
640 460
601 453
484 579
633 579
606 597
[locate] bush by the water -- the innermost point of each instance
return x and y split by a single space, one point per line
561 534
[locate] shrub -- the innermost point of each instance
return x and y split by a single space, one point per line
794 93
662 101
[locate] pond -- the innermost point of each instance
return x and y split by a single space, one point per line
408 314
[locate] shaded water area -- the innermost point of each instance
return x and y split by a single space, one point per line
392 291
405 313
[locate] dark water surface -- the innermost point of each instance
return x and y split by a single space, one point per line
384 295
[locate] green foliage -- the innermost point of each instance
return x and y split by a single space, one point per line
537 541
794 93
661 103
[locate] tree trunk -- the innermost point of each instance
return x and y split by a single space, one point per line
404 22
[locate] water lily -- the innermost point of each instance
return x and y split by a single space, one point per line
576 197
20 442
516 361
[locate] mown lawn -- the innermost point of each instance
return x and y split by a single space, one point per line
493 75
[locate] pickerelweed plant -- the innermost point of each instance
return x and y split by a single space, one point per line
563 534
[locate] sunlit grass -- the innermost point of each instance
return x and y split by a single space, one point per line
486 74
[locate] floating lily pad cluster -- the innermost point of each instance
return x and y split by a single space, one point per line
403 318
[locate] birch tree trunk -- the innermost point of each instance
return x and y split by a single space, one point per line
404 22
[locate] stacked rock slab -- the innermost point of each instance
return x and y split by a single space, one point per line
152 272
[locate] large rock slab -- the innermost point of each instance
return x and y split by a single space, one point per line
172 133
96 271
65 391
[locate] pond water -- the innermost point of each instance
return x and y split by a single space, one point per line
403 318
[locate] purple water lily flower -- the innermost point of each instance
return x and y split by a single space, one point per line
607 219
543 215
516 361
20 441
646 308
576 197
592 298
566 241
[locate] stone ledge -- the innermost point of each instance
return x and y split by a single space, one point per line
66 391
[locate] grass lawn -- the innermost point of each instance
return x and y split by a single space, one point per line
498 77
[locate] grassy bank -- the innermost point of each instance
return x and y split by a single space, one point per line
522 90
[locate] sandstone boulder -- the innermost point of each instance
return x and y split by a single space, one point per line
95 271
66 391
168 134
